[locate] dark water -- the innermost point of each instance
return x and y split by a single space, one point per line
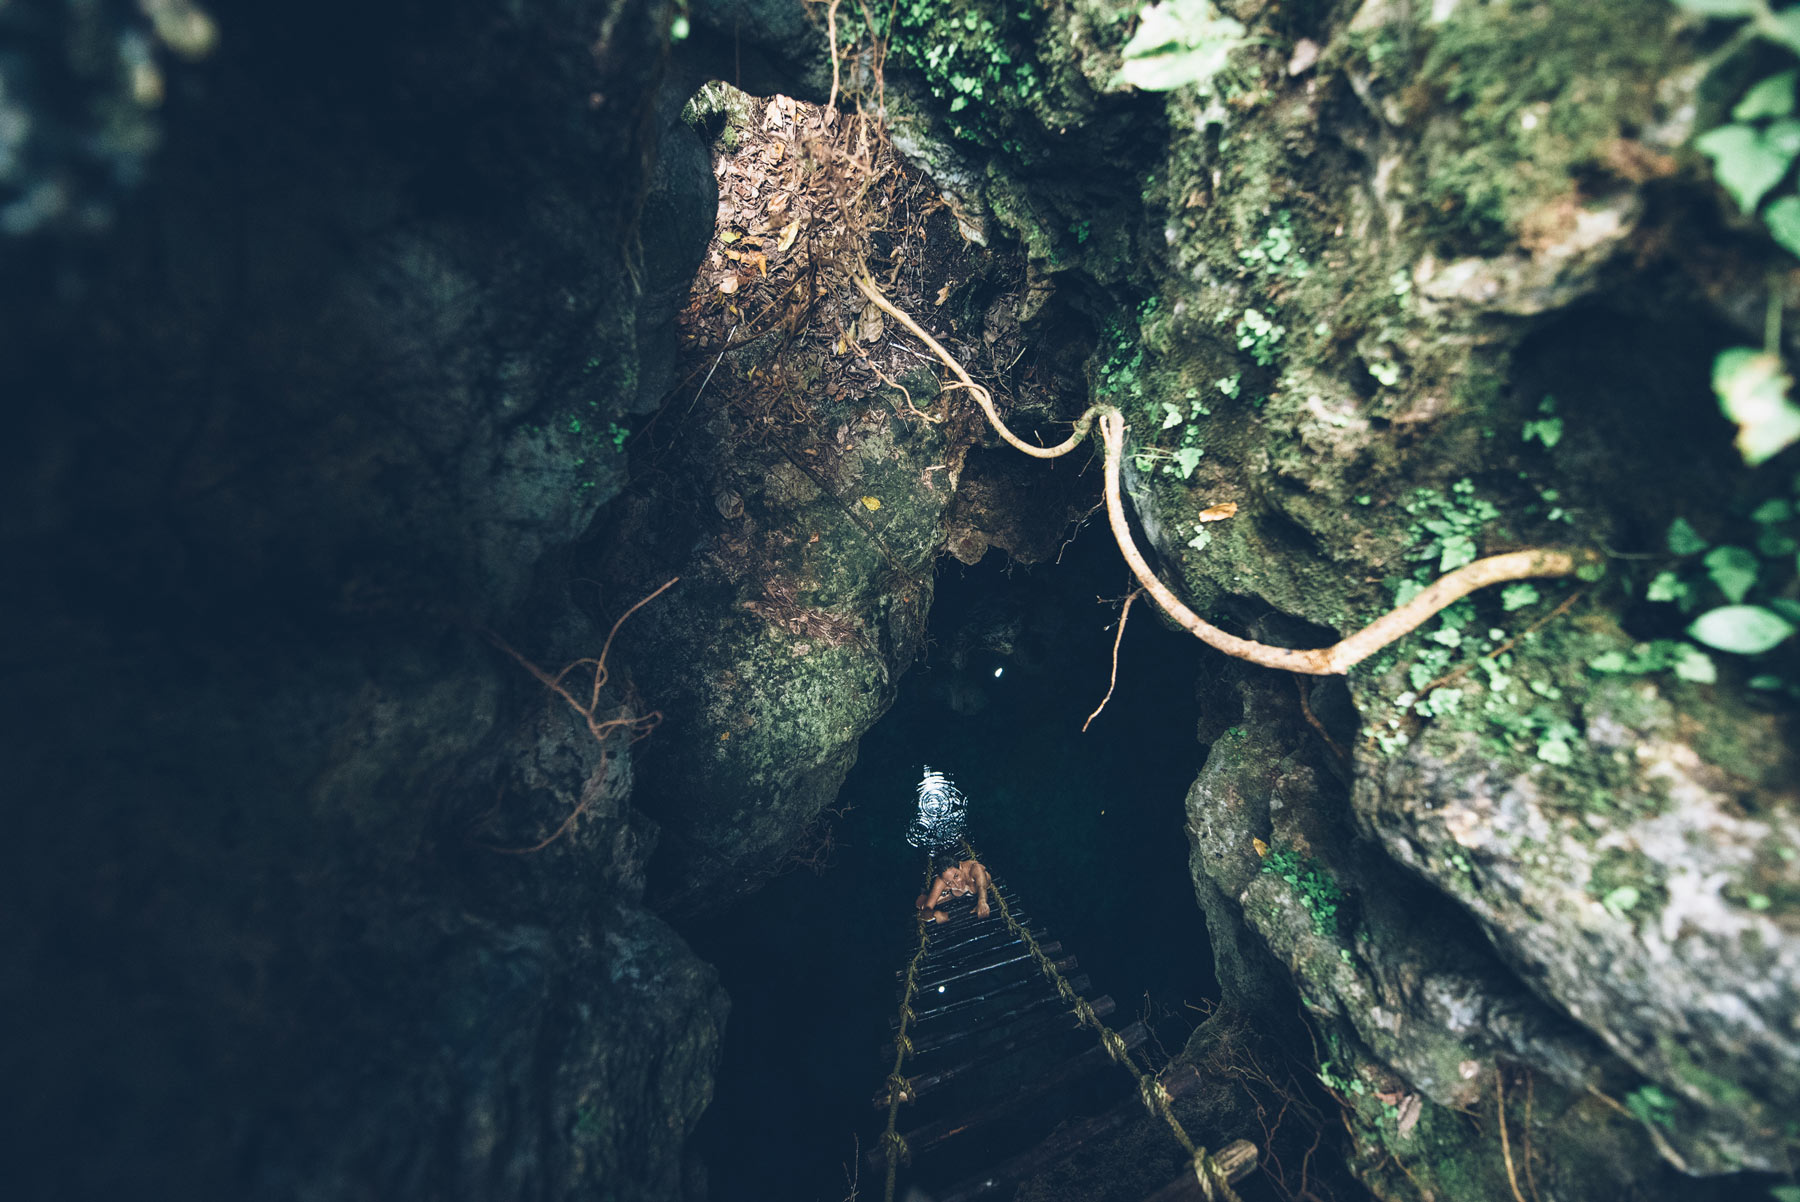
1085 828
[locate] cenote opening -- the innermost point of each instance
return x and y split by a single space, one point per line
1085 828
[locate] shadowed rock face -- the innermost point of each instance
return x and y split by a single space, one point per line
335 390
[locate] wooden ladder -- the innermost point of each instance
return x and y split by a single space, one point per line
1000 1073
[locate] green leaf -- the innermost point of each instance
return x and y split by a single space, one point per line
1718 8
1620 900
1172 416
1753 392
1666 587
1773 97
1187 459
1747 162
1787 608
1775 509
1178 42
1696 665
1733 569
1684 539
1741 629
1783 219
1773 544
1518 596
1787 28
1785 1193
1547 430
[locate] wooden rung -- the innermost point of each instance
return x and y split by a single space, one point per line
954 936
932 1135
922 1047
999 990
1001 958
1023 1035
1236 1159
1061 1143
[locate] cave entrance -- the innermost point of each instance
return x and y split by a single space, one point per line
1086 828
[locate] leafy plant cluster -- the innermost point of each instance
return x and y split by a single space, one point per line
1756 584
1521 712
1276 254
1753 157
1259 335
1445 527
1753 153
974 56
1317 891
1120 374
1186 455
589 438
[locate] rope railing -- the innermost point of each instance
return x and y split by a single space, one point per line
1215 1186
893 1147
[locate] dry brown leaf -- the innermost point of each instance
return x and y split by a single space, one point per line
1409 1115
943 295
789 232
1219 512
729 236
728 285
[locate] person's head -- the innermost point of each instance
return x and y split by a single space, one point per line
943 862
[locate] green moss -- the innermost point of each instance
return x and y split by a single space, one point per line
1537 90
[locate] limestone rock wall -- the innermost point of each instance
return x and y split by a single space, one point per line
1408 284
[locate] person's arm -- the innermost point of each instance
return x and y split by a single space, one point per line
937 891
981 889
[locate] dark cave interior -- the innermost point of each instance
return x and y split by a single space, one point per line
1086 828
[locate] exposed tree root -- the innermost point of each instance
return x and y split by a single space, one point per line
1113 682
603 729
1334 660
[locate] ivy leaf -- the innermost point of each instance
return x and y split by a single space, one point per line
1187 459
1752 387
1172 416
1684 539
1733 569
1773 97
1747 162
1773 544
1742 629
1178 42
1775 509
1666 587
1693 664
1518 596
1787 23
1783 219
